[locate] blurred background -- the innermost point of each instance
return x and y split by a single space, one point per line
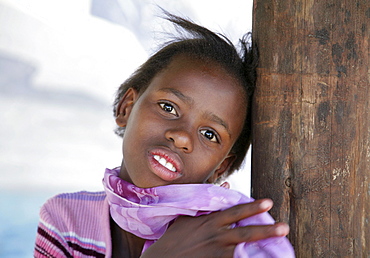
60 64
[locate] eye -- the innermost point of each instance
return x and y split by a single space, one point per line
209 134
166 107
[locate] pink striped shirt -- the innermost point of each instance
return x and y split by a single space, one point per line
74 225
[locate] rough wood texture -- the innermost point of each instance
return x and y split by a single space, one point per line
311 122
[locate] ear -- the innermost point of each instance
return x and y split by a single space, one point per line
125 106
222 168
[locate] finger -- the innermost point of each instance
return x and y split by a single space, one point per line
241 211
255 233
226 251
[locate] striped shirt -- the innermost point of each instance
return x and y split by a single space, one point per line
74 225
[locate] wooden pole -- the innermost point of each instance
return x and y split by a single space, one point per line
311 122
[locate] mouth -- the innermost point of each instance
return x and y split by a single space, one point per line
165 164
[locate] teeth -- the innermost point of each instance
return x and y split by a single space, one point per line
170 167
164 163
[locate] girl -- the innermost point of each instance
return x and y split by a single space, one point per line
184 119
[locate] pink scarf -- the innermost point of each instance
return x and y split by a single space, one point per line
147 212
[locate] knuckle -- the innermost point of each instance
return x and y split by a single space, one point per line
237 211
244 233
209 221
226 252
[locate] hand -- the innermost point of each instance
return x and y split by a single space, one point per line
210 236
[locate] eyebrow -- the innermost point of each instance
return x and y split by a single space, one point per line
179 94
219 121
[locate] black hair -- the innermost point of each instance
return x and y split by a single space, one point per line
203 44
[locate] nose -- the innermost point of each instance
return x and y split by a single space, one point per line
181 139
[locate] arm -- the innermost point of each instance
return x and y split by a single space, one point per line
210 236
71 226
49 241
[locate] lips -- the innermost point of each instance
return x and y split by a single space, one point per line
165 164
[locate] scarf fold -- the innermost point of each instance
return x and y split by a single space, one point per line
147 212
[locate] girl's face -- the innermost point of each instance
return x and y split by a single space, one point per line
182 127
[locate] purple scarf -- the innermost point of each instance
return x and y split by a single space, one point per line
147 212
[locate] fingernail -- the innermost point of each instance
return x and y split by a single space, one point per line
226 185
266 204
282 230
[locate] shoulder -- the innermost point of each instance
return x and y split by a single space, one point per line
69 202
81 197
74 223
69 207
70 210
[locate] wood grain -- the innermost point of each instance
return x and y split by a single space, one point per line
311 122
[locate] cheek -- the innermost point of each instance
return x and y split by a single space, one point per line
133 131
142 126
205 164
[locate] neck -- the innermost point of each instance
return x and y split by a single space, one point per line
125 244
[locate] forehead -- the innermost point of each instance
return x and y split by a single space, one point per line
194 72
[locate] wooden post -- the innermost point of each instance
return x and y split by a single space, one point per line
311 122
